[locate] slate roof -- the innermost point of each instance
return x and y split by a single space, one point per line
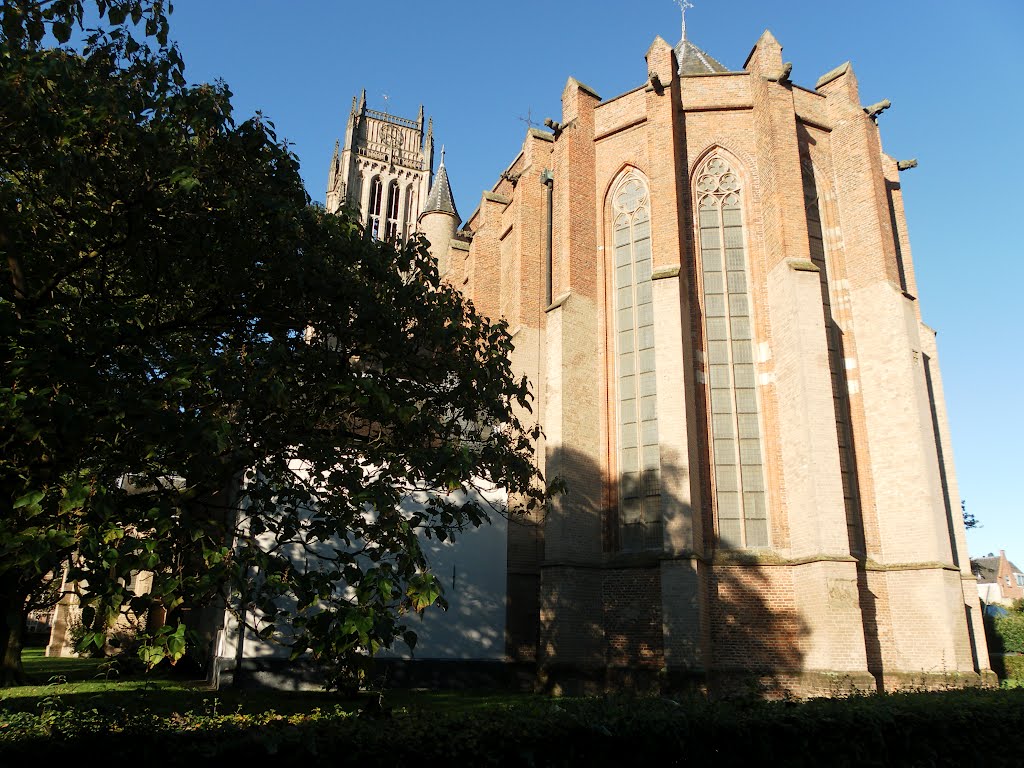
694 61
440 197
987 569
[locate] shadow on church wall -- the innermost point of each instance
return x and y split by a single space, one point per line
659 620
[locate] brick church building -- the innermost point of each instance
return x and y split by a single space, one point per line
709 284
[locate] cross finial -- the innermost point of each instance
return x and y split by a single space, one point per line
386 99
528 119
442 154
683 5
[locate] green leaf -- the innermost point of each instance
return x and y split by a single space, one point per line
410 639
61 31
30 499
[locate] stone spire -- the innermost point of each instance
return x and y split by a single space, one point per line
683 6
335 183
332 179
440 200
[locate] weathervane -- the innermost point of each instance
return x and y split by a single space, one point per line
683 5
386 97
529 119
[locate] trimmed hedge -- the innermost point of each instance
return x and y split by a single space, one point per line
920 729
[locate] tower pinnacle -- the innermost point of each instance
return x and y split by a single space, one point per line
683 5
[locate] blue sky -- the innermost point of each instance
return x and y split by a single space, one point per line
950 69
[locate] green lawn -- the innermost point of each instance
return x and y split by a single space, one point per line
97 683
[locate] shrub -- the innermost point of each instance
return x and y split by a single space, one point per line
1010 629
1014 666
919 729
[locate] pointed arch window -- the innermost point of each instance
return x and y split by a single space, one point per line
735 422
410 213
391 225
639 457
373 209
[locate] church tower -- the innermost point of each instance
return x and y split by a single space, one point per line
383 171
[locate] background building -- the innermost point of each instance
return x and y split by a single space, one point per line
999 581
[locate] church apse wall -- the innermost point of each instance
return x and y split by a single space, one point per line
730 371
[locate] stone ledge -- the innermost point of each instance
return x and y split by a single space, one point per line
747 557
802 265
558 301
583 87
661 273
933 565
833 74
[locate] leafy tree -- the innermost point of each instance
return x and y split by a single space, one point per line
970 521
159 373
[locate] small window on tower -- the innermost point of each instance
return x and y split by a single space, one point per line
373 212
391 226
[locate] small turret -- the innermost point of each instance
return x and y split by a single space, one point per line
439 218
334 182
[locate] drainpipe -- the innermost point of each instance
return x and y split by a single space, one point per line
548 180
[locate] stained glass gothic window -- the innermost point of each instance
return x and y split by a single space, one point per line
637 413
735 424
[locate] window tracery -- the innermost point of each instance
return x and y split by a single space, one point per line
639 457
731 379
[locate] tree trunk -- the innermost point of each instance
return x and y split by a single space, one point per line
156 617
238 681
11 671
